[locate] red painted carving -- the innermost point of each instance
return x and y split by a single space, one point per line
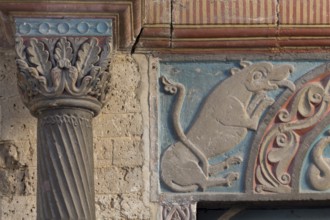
285 133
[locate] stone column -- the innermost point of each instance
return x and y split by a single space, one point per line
64 80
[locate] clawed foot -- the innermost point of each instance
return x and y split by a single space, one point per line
217 168
231 177
232 161
220 181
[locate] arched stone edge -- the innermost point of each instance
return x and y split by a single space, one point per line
301 153
126 16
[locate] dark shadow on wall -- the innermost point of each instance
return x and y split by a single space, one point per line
266 213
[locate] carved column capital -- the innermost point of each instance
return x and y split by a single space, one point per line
57 72
63 79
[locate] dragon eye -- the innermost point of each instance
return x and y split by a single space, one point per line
257 75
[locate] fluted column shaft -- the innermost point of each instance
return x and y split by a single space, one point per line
63 79
65 165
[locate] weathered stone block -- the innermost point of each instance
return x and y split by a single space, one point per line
133 207
118 125
27 152
7 74
108 180
128 152
30 181
14 107
125 80
18 207
108 206
132 180
103 148
121 102
18 128
118 180
9 155
16 178
13 182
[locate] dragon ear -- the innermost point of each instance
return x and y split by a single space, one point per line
245 63
234 70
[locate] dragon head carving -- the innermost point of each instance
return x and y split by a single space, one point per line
265 76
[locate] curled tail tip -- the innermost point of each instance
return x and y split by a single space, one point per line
165 81
169 86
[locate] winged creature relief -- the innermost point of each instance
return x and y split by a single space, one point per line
232 108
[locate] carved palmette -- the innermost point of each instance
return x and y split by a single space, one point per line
63 67
179 211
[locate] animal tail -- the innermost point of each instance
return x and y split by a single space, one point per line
177 188
173 88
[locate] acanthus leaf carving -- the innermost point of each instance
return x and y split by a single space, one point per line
87 56
39 56
50 44
104 57
101 88
20 49
59 67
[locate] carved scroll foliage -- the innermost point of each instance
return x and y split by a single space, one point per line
39 56
62 66
87 56
280 144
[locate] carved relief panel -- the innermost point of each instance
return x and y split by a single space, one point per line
240 130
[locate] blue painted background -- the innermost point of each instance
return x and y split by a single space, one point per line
63 27
200 78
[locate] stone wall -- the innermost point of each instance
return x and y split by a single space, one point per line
120 145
